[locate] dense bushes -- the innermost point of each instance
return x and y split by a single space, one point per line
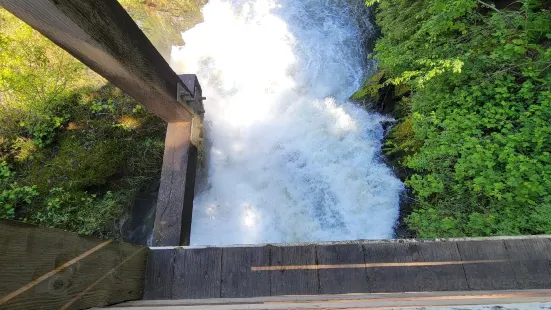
477 135
73 150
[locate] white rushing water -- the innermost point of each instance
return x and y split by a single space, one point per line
289 158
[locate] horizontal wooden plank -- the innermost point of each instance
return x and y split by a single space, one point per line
497 275
530 261
238 280
517 299
345 280
294 282
197 273
159 274
388 266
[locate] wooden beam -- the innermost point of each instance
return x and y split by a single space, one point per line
525 299
174 208
102 35
44 268
176 191
170 202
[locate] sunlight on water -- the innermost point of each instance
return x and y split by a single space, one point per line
289 159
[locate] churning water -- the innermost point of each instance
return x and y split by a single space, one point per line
289 158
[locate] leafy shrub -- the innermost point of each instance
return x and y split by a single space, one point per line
77 149
11 194
78 211
478 136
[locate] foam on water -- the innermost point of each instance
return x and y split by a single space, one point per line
289 158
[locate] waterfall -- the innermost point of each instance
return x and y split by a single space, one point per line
289 158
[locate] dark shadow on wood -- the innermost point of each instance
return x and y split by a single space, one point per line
44 268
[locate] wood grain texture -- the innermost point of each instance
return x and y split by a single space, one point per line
197 273
191 174
441 278
381 279
411 300
337 281
294 282
46 268
103 36
420 278
531 262
159 274
167 229
238 280
390 267
487 276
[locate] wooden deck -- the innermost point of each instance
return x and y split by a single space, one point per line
352 267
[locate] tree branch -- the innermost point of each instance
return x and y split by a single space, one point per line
490 6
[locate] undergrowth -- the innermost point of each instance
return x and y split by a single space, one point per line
73 149
476 138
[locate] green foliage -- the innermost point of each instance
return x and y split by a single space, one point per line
73 151
163 21
76 164
11 194
478 138
78 211
370 89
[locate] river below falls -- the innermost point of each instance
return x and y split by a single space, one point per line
288 158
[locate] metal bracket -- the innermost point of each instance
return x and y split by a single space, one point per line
192 99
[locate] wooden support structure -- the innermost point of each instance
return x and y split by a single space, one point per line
176 191
362 266
518 299
44 268
102 35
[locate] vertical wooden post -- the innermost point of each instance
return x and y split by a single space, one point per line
176 191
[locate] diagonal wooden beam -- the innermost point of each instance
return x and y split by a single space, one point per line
102 35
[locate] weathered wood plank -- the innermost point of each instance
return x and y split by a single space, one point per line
408 277
492 275
531 262
290 282
167 229
197 273
346 280
238 280
437 277
191 173
50 268
123 280
387 279
103 36
159 272
412 300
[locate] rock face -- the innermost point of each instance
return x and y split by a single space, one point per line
380 96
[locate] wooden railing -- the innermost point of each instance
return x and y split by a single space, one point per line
102 35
